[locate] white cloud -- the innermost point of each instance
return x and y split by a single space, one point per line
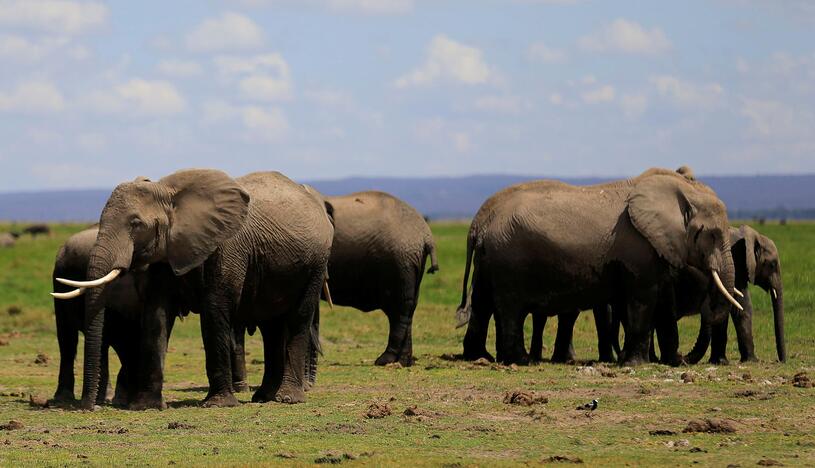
770 118
625 36
556 99
228 65
138 97
266 124
461 142
686 94
179 68
230 31
57 16
37 97
21 49
265 88
502 104
540 52
372 7
329 97
367 7
451 61
265 77
604 93
259 124
633 105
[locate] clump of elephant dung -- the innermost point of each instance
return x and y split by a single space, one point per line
524 398
801 380
14 310
711 426
378 411
562 459
769 462
179 425
42 359
37 401
12 425
688 377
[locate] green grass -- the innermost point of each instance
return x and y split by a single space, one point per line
466 421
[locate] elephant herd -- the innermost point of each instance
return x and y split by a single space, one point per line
259 252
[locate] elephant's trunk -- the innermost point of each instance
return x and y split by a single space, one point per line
777 295
108 253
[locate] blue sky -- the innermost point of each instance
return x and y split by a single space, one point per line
95 93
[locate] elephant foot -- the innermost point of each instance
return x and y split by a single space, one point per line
119 400
220 400
749 358
87 405
388 357
719 360
476 355
693 358
290 394
676 361
633 360
308 386
605 358
145 402
563 358
63 397
240 386
519 359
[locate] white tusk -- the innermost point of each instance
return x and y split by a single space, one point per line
70 294
775 294
94 283
724 291
738 293
328 295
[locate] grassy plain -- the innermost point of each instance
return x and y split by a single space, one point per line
462 419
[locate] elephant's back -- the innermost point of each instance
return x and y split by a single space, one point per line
75 252
284 217
379 219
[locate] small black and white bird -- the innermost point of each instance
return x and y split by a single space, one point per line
591 406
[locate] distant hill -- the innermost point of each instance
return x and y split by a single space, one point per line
791 197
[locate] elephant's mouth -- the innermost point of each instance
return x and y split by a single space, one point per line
82 286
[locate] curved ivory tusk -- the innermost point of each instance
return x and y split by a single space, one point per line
70 294
775 294
94 283
724 291
328 295
738 293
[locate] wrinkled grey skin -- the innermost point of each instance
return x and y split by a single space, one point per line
249 252
550 246
757 262
141 308
377 261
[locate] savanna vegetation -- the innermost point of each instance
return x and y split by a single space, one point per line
441 411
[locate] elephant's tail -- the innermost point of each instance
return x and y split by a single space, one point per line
430 249
615 334
464 310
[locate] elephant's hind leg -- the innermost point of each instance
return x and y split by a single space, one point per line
475 339
239 383
400 339
273 338
564 348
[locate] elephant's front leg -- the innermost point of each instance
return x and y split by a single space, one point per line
239 383
638 325
156 324
603 323
217 335
564 348
68 337
718 343
510 336
743 321
536 344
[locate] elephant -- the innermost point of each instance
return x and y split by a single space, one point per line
8 239
250 252
151 297
546 245
377 261
757 262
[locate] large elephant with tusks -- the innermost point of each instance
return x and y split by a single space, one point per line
547 245
252 251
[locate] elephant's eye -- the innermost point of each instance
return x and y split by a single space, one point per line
136 222
698 233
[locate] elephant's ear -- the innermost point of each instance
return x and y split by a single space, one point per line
750 244
209 207
660 211
329 209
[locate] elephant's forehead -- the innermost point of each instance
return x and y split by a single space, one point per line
132 193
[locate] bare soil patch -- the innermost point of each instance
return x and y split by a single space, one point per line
524 398
711 426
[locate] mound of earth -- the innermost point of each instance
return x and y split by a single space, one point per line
711 426
524 398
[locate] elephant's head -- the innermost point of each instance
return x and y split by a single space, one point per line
687 225
757 262
181 220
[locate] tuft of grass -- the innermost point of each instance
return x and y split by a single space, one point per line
459 417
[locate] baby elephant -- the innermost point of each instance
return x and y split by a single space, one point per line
377 262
